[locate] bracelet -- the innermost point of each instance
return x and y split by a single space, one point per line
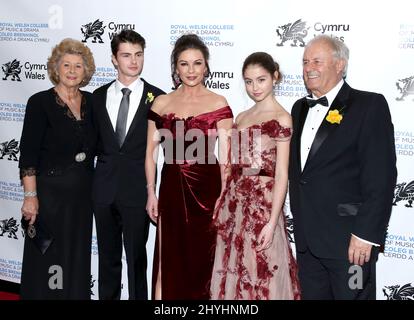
149 185
29 194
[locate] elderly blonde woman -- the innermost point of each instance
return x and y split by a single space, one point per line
56 168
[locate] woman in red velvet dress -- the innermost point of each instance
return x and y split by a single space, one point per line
186 123
253 259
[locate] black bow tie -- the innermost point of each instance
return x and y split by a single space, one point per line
323 101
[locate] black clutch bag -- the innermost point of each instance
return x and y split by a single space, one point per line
38 233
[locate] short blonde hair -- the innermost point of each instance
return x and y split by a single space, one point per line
71 46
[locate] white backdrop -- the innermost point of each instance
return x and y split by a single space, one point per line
380 38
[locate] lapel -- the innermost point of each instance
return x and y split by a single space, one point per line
141 111
106 121
303 112
326 128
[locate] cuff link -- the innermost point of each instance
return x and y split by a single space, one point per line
81 156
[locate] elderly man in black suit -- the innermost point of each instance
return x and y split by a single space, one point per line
342 177
119 189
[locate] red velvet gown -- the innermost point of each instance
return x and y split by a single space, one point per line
190 186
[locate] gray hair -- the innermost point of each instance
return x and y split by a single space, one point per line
339 49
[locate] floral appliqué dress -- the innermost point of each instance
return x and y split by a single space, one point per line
240 272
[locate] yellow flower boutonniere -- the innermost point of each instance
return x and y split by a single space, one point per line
334 116
150 98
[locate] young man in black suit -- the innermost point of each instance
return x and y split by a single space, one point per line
119 190
342 176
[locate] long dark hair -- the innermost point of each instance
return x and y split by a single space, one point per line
264 60
187 41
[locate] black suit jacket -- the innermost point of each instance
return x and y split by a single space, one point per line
348 181
120 172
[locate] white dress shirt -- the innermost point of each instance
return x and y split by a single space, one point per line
114 97
312 123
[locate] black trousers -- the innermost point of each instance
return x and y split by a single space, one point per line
336 279
117 225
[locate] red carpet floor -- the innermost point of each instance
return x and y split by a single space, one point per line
8 296
9 290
